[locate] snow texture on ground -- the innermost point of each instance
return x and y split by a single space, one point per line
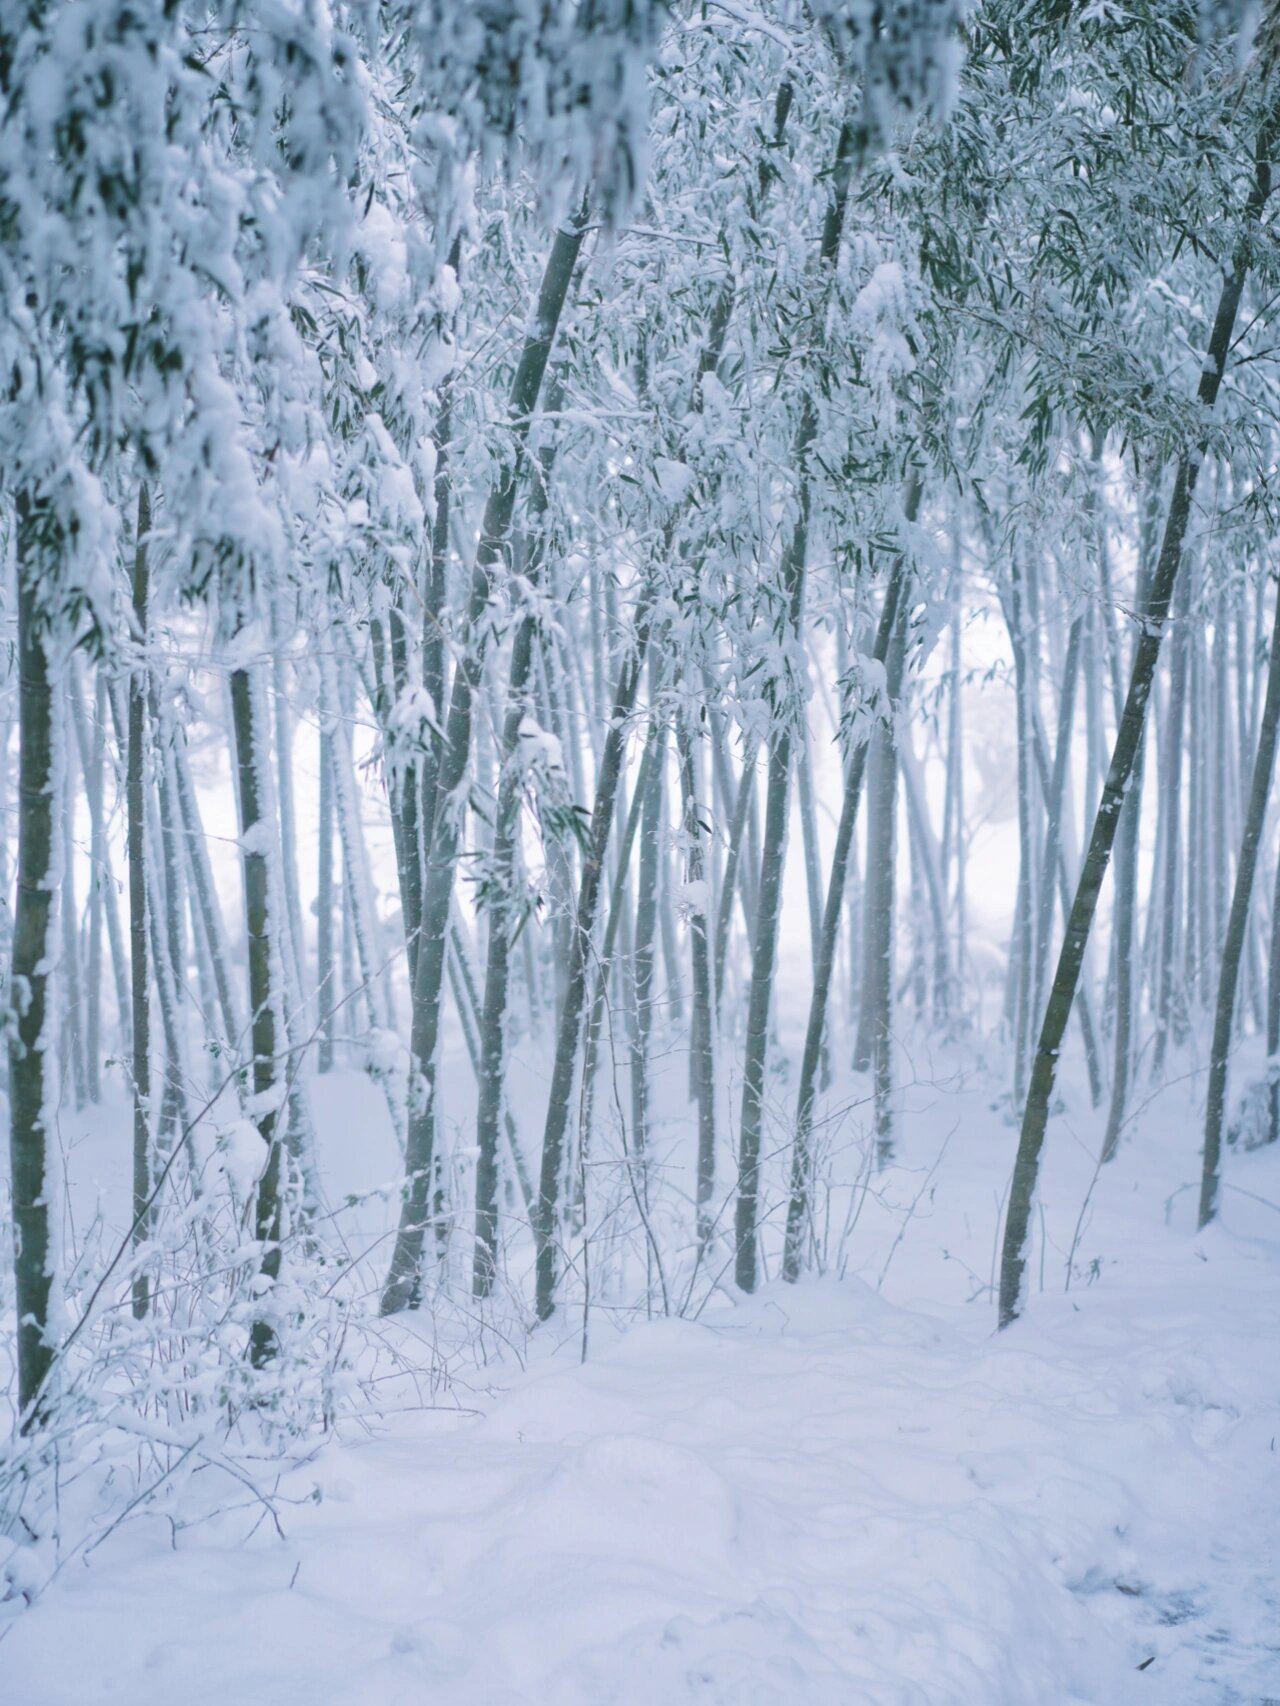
827 1495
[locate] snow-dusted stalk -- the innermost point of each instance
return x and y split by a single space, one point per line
404 1276
98 899
468 1005
799 1205
327 992
926 855
87 745
702 1042
1055 805
491 1062
1219 778
731 883
1124 932
268 1093
1273 1016
404 801
294 942
1083 1004
73 1027
31 1025
768 908
8 842
1169 876
563 1069
616 915
644 947
426 764
350 835
721 793
171 953
1237 925
778 787
672 963
558 859
954 851
204 894
493 1018
136 847
875 1010
1022 1190
1193 864
1205 937
1022 945
1124 918
809 835
160 942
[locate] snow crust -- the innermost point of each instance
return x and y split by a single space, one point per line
830 1495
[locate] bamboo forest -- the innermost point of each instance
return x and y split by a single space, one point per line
639 870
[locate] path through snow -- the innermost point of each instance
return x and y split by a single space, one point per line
817 1499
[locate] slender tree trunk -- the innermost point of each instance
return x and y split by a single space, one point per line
875 1011
93 764
703 1039
731 883
799 1206
1237 924
1170 816
136 840
404 1277
1021 944
1083 1006
92 753
1125 915
768 910
777 794
255 827
8 842
809 836
31 1024
607 778
73 1019
560 872
205 893
354 860
1192 955
327 992
433 609
619 899
644 954
288 830
931 918
169 1109
1128 739
562 1074
1273 1017
1055 805
1220 683
493 1018
1124 926
673 988
502 882
171 959
955 851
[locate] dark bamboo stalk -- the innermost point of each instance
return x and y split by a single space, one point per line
1124 754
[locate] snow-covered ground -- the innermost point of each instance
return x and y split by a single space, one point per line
847 1492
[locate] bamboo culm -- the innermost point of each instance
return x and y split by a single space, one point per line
1124 753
